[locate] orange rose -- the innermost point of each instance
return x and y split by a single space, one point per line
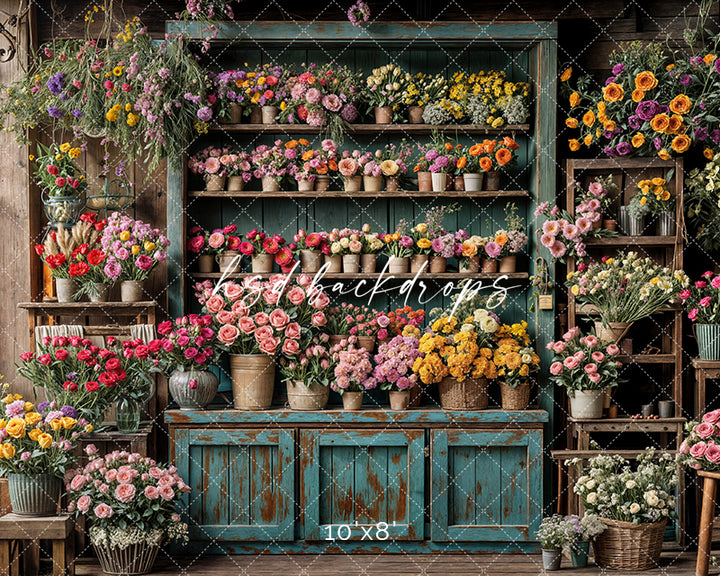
589 118
602 107
501 239
574 99
613 92
574 144
476 150
660 123
587 140
609 125
565 76
664 154
304 141
675 124
510 143
290 144
680 104
462 162
571 123
503 156
708 153
308 155
681 143
322 169
489 146
485 164
645 81
638 95
637 140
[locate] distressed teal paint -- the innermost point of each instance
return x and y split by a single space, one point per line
493 499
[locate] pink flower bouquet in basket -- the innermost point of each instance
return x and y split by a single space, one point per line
701 448
131 502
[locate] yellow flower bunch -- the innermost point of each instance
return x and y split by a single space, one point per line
655 194
514 357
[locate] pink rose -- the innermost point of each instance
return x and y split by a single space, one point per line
684 447
598 356
215 303
594 377
91 449
292 330
228 333
268 346
111 476
261 319
167 493
570 334
151 493
320 301
166 481
225 317
240 309
125 476
155 472
84 503
556 368
590 368
713 416
104 488
705 301
712 452
318 319
612 349
279 318
704 430
103 511
290 347
77 482
296 295
304 279
559 347
571 363
263 333
246 325
125 492
271 297
233 291
591 341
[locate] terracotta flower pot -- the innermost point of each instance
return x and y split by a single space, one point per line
214 182
255 115
352 183
335 262
368 263
310 261
399 399
438 264
507 265
459 182
372 183
322 183
367 342
270 184
383 115
415 114
489 266
269 114
235 183
424 181
419 262
392 183
335 339
226 260
609 224
352 400
471 266
305 185
262 263
398 265
235 113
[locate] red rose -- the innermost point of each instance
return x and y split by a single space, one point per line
120 375
95 257
70 386
61 354
39 249
142 351
92 386
302 113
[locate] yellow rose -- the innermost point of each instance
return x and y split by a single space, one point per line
574 144
575 289
135 250
8 451
34 434
3 423
89 428
424 243
45 440
574 99
68 423
56 425
149 246
637 140
32 418
389 167
16 427
125 236
565 76
28 406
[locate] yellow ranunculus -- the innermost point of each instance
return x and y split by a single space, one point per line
64 147
34 434
56 424
389 167
128 107
7 450
45 440
424 243
135 250
125 236
28 406
149 246
574 99
68 423
574 144
16 427
575 289
32 418
74 152
571 123
132 119
637 140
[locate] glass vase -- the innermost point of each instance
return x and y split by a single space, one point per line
127 415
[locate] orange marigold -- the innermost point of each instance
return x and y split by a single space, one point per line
510 143
709 59
664 154
462 162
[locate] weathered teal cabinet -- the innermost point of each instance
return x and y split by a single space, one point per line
486 485
359 478
242 481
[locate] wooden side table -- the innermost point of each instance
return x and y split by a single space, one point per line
707 516
26 532
703 369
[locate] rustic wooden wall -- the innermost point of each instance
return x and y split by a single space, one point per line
589 31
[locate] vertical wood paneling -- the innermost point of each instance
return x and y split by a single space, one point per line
195 481
262 502
396 487
239 485
462 494
345 503
513 464
215 485
487 487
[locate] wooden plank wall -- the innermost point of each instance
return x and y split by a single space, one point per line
588 32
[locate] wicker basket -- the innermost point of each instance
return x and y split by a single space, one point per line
469 394
628 546
514 398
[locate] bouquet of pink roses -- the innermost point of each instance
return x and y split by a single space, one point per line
701 448
208 162
133 248
353 369
314 364
204 242
188 343
702 300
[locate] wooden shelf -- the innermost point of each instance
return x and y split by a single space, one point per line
371 128
259 194
648 358
590 310
632 241
360 276
54 305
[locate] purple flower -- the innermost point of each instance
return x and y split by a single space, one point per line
348 113
607 134
717 65
685 79
75 112
610 80
634 122
205 114
701 133
715 135
664 109
618 69
56 84
431 155
25 456
43 406
657 142
441 161
696 61
646 110
54 111
610 151
624 148
69 411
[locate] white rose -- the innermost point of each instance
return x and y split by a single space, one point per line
592 498
488 325
634 508
630 484
591 484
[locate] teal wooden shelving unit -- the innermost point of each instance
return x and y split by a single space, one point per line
411 460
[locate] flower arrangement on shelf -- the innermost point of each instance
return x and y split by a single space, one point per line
514 232
187 343
326 96
229 88
625 288
422 89
271 162
139 361
371 242
347 241
133 248
205 242
702 208
702 299
393 160
268 86
310 240
584 362
39 439
652 197
56 172
310 162
394 362
471 247
384 88
700 450
72 370
398 244
352 164
610 488
405 321
66 250
501 153
564 234
422 243
207 162
313 364
257 243
131 500
515 358
238 164
353 368
439 157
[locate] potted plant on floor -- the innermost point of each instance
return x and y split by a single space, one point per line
554 533
585 530
134 249
516 362
585 366
393 369
37 447
623 289
186 348
634 504
353 373
702 302
130 502
308 373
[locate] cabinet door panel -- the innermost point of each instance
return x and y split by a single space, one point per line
359 478
486 485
